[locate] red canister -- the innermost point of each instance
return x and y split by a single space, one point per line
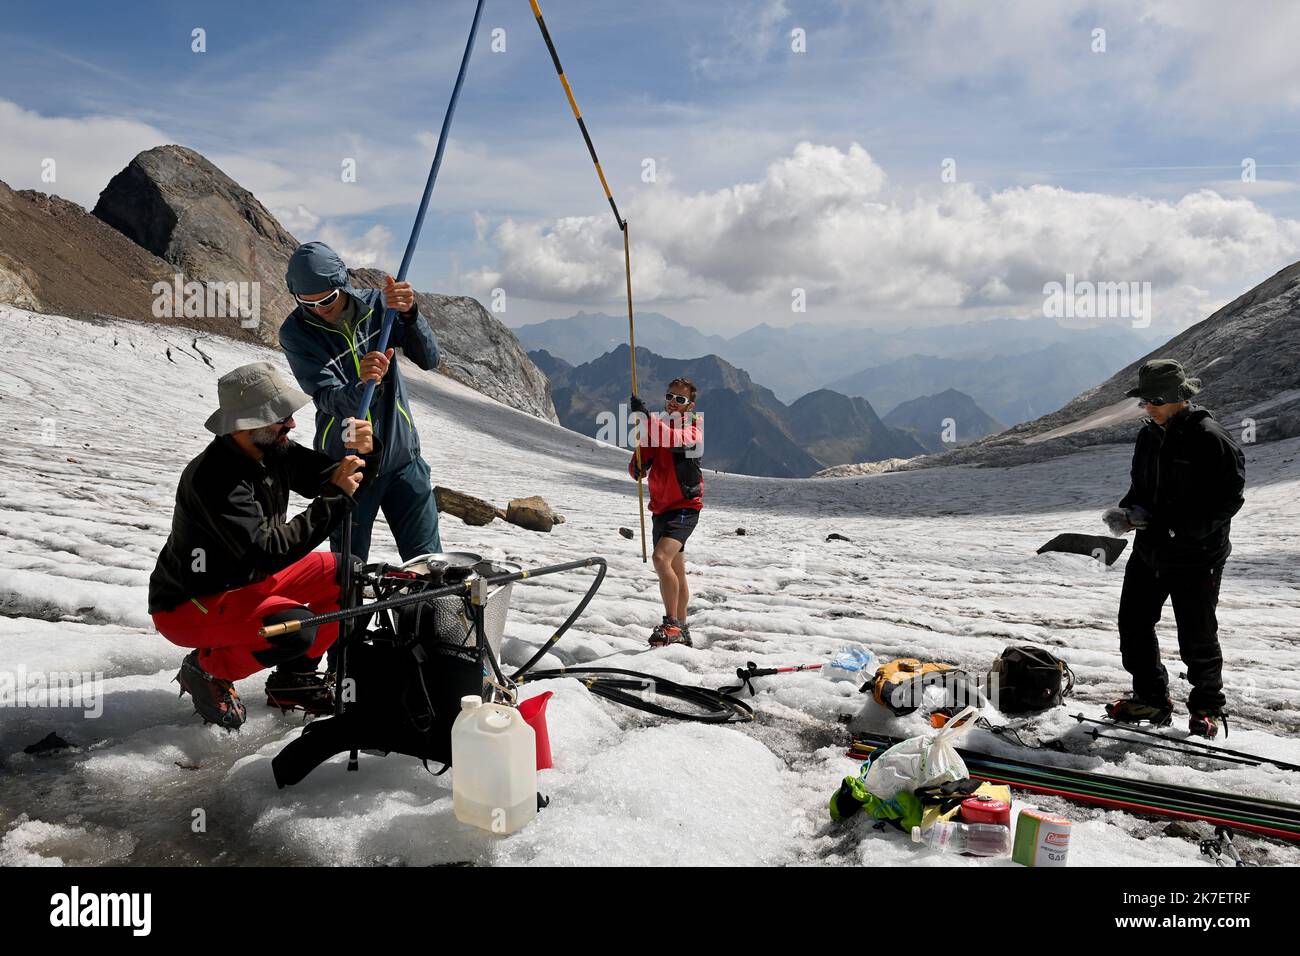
984 809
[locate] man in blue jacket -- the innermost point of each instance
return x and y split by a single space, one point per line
331 340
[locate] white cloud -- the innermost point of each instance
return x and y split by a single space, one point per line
371 249
87 151
1202 61
753 30
823 219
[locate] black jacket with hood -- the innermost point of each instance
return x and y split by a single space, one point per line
1189 475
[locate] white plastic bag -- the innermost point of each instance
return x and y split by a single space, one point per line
920 761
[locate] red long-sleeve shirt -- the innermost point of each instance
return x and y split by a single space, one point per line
670 451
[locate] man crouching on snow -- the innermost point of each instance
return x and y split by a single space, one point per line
670 450
1187 481
234 562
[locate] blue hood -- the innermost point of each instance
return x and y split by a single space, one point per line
314 268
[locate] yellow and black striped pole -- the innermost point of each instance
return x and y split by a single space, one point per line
622 225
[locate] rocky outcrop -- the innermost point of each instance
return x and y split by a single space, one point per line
177 205
478 350
55 257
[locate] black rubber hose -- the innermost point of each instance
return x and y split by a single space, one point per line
601 568
618 685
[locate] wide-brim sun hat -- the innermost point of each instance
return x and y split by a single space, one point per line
1163 380
253 396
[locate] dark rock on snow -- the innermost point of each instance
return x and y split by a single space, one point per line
1089 544
48 744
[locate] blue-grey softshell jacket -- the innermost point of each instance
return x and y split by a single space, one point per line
327 365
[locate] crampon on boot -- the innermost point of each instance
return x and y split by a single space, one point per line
669 632
1131 710
215 700
1207 725
300 690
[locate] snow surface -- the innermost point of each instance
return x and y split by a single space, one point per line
940 565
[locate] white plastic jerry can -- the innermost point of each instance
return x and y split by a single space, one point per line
493 767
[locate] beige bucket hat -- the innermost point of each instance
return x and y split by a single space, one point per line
251 396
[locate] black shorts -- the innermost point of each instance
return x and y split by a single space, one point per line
676 524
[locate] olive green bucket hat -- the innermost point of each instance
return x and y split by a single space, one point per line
251 396
1165 382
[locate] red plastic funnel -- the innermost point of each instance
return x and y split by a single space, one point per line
534 713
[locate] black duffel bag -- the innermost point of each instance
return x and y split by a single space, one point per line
1027 679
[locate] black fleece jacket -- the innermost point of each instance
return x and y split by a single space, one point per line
230 527
1189 475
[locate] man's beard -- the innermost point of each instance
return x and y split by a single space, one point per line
267 440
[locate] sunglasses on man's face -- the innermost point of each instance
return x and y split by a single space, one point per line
1151 402
677 399
319 303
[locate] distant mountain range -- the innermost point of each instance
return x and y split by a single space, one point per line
589 335
747 429
942 422
1012 388
1014 369
1247 356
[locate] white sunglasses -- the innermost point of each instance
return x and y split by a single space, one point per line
319 303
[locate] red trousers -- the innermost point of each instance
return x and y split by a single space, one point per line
224 626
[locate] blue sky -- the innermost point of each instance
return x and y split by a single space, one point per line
776 169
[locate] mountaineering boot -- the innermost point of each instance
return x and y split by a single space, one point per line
300 690
1131 710
686 633
215 700
669 632
1207 725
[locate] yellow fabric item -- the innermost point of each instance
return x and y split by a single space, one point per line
895 673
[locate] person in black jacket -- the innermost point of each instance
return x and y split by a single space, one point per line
235 562
1187 481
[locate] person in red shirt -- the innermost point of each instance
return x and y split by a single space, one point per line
671 445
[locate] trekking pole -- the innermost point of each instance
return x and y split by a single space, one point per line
752 670
627 254
368 393
1187 742
1224 833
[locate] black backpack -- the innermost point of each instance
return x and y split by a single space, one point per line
1027 679
409 676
